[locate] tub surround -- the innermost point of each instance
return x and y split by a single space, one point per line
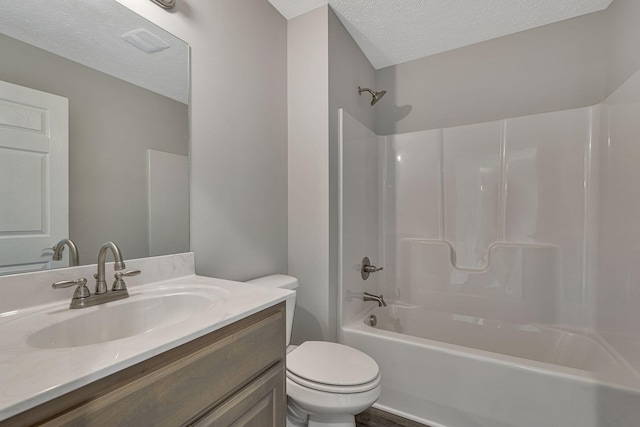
33 376
489 238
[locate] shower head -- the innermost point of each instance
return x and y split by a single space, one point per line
376 95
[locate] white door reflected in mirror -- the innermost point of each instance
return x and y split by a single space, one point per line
34 191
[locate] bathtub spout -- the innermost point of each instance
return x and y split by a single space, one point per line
377 298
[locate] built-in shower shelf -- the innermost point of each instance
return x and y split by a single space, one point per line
494 249
512 271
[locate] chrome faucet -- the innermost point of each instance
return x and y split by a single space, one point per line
82 297
101 284
377 298
74 258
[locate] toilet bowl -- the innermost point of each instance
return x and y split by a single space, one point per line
327 383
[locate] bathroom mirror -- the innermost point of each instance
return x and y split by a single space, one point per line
127 85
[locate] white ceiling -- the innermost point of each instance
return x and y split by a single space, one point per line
390 32
88 32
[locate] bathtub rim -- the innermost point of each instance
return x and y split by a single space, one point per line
622 383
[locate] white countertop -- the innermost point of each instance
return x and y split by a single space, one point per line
31 376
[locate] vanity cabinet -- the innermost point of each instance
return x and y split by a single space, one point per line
232 376
255 405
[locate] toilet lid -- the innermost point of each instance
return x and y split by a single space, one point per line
341 389
332 364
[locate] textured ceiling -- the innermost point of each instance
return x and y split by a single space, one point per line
390 32
88 32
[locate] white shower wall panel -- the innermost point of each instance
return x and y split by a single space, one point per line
519 285
414 158
617 310
547 169
412 196
491 188
471 191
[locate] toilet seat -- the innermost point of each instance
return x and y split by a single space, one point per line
330 388
332 368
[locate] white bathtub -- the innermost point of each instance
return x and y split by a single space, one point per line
452 370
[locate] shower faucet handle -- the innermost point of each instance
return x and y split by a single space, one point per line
367 268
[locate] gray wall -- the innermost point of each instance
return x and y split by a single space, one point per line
308 166
239 146
111 125
348 69
238 132
555 67
617 286
325 69
623 42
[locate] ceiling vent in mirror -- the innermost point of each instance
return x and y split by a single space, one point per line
145 41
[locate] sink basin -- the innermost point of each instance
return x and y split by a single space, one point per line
136 315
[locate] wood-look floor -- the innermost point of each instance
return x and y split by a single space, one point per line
373 417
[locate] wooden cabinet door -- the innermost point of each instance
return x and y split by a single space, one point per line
260 404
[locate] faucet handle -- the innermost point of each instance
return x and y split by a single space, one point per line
81 291
367 268
119 284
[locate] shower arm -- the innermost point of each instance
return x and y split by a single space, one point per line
365 89
375 96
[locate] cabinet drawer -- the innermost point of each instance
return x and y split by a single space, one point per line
260 404
177 386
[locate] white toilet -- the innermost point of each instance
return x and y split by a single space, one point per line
327 383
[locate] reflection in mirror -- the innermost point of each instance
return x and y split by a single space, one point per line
93 133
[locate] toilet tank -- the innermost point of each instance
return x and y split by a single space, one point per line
284 282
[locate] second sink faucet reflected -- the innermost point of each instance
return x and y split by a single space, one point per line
74 257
